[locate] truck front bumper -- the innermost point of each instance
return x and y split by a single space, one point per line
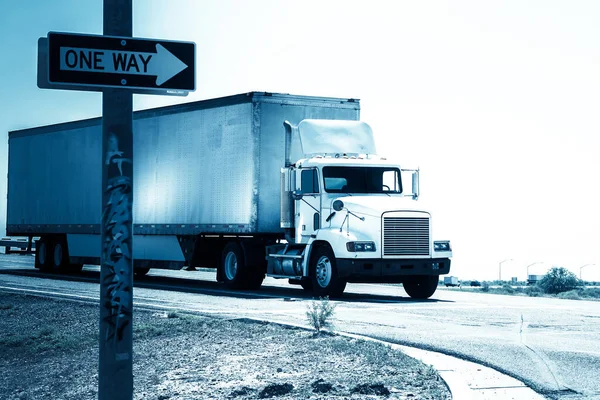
377 270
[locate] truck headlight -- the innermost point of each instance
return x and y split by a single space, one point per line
360 246
442 246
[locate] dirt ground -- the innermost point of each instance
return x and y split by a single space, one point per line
49 350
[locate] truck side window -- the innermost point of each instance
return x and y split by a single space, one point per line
390 181
310 181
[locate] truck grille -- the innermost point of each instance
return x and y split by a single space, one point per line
405 236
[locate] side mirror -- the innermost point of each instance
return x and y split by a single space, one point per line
415 185
297 194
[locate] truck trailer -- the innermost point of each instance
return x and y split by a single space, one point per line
253 184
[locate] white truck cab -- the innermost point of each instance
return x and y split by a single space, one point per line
350 216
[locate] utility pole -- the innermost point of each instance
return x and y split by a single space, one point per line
115 372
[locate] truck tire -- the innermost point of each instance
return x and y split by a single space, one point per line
421 287
59 257
233 266
42 256
323 274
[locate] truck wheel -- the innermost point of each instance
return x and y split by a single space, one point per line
233 266
42 259
421 287
323 273
59 259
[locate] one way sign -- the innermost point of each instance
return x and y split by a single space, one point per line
133 63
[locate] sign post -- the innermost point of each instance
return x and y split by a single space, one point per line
115 372
118 65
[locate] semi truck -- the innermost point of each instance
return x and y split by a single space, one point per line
256 184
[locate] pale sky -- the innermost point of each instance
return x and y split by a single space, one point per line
496 102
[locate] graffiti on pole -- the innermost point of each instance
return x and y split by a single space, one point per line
116 245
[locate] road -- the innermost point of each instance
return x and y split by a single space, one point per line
552 345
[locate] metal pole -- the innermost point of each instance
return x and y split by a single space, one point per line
115 373
581 268
500 271
500 268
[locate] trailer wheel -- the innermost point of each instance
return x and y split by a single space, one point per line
233 266
323 273
59 259
421 287
42 260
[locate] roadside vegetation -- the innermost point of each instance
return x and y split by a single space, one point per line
319 314
49 350
559 283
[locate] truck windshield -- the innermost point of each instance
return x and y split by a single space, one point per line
362 180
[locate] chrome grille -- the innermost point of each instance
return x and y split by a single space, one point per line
405 236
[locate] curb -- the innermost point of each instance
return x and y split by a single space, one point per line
457 387
465 380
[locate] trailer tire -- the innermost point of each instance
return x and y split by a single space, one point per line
233 266
421 287
59 257
42 258
323 273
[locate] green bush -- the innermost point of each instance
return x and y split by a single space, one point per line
591 293
559 280
485 287
506 288
533 291
570 295
319 314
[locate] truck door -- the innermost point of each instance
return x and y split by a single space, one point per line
308 208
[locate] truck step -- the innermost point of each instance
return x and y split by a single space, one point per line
284 277
290 256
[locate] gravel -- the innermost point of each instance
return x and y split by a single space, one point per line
49 350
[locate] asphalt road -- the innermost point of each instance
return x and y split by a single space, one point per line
552 345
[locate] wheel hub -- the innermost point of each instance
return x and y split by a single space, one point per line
231 266
323 271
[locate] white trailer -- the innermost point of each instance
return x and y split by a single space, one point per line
533 279
451 281
251 184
